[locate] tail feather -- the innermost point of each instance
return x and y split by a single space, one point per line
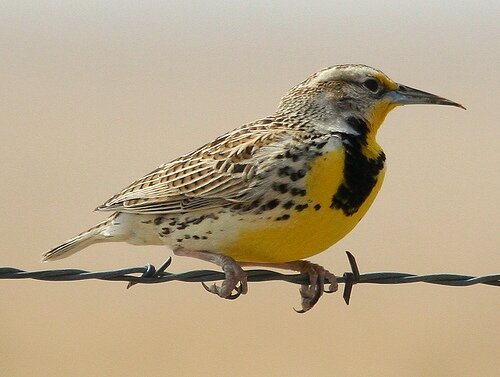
79 242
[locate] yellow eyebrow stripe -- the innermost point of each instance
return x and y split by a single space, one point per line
387 82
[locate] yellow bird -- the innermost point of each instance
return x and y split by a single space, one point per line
271 192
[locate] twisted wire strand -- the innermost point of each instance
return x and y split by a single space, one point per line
150 275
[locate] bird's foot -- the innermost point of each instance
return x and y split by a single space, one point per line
318 275
235 280
312 292
235 277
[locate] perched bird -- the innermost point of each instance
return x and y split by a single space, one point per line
271 192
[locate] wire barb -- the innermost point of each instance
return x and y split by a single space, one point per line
152 272
350 278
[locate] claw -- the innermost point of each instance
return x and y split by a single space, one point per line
234 296
330 289
311 293
217 290
334 285
235 277
212 288
300 311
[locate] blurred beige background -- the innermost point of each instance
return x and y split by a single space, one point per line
94 94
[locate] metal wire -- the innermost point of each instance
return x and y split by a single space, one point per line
150 275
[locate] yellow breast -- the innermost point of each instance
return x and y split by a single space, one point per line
309 231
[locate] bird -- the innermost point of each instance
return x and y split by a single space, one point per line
270 193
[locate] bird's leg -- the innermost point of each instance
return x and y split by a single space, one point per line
233 271
312 292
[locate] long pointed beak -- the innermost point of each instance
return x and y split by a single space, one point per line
404 95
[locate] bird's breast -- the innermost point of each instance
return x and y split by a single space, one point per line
310 214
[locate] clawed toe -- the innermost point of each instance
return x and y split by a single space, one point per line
311 293
310 296
334 285
221 291
235 281
235 277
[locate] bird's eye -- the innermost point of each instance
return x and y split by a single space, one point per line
372 85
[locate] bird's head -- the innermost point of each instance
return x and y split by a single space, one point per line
354 90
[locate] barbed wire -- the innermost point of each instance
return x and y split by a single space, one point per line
148 274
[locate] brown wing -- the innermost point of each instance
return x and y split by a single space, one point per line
218 174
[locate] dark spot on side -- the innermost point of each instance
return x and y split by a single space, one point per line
297 191
158 220
280 187
250 206
301 207
165 231
179 240
147 222
279 156
187 236
198 219
209 232
283 217
181 226
196 237
298 175
294 157
321 145
317 207
271 204
284 171
288 204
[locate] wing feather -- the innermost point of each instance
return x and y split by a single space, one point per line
218 174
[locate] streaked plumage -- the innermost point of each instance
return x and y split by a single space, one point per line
272 192
218 174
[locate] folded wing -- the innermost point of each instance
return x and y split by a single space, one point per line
218 174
